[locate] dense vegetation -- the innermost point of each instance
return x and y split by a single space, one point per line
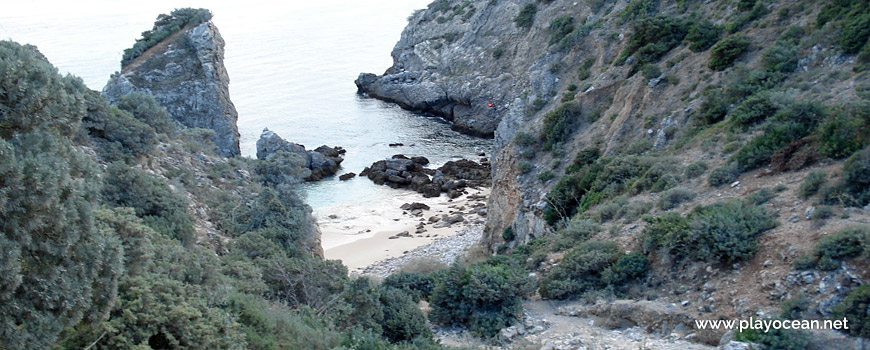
165 26
105 258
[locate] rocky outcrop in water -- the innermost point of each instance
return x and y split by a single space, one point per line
451 178
186 74
322 161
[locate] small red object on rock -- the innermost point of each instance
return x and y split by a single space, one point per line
489 104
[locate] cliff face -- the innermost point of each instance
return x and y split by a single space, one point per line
186 74
478 64
599 109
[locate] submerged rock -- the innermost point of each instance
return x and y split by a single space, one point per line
186 75
322 161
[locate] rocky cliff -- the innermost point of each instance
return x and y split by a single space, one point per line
186 74
605 111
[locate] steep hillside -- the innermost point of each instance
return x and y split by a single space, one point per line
123 229
720 141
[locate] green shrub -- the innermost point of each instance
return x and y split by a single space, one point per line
117 133
561 27
856 176
538 104
402 319
759 150
508 234
282 168
653 38
524 139
702 35
580 270
814 180
724 175
271 326
856 31
558 125
725 52
165 26
822 212
579 230
721 232
650 71
418 286
745 5
845 131
674 197
585 157
844 244
159 207
753 110
804 262
855 309
526 16
638 147
638 9
584 71
627 267
715 106
484 297
546 175
784 339
147 110
497 53
524 167
780 58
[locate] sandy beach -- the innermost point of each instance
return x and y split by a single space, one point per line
362 235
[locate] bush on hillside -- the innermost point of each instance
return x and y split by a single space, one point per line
702 35
558 125
725 52
526 16
696 169
561 27
674 197
653 38
814 180
844 244
724 175
590 266
416 285
855 309
159 207
146 109
483 297
722 232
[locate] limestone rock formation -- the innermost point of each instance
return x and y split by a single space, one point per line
322 161
186 74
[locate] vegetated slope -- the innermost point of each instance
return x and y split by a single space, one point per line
683 131
123 229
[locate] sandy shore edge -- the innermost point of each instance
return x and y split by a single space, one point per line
360 236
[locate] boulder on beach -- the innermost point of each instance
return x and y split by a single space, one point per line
402 172
414 206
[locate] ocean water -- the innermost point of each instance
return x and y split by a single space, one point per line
291 68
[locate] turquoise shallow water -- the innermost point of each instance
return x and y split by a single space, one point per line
291 69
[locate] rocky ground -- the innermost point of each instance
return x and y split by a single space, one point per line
444 250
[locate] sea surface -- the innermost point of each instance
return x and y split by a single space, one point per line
291 66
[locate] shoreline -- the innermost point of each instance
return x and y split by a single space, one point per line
362 236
